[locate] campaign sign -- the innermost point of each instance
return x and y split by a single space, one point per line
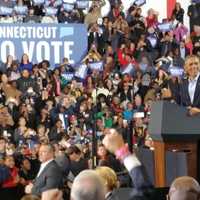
82 4
196 1
176 71
129 69
139 2
165 27
81 71
6 11
96 66
38 2
51 42
49 11
68 76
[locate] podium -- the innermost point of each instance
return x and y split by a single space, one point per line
172 129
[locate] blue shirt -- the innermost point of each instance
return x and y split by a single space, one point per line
28 66
128 115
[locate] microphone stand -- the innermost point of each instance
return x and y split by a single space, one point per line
94 134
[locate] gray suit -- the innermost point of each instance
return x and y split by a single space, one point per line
50 178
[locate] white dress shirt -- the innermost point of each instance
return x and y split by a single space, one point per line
192 87
42 166
182 51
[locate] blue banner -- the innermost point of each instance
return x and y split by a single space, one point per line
51 42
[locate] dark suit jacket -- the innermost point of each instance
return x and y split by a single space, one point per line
99 42
50 177
184 94
142 187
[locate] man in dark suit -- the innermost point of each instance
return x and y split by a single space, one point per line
193 14
49 175
166 44
184 51
190 87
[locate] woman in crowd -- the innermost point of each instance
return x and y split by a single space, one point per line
110 181
25 63
178 12
106 159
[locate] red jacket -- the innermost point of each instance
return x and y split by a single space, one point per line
11 181
122 59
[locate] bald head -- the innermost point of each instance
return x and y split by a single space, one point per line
88 186
184 188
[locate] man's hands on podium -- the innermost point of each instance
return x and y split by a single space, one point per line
193 111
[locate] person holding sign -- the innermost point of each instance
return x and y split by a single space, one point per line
94 12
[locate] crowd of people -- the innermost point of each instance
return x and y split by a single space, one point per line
44 115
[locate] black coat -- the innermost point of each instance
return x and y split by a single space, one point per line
184 94
50 178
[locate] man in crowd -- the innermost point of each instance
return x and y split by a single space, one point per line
88 186
49 175
184 188
190 87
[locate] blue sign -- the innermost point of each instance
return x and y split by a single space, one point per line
51 42
139 2
6 11
38 2
68 76
129 69
68 7
196 1
49 11
96 66
21 10
81 71
165 27
176 71
82 4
